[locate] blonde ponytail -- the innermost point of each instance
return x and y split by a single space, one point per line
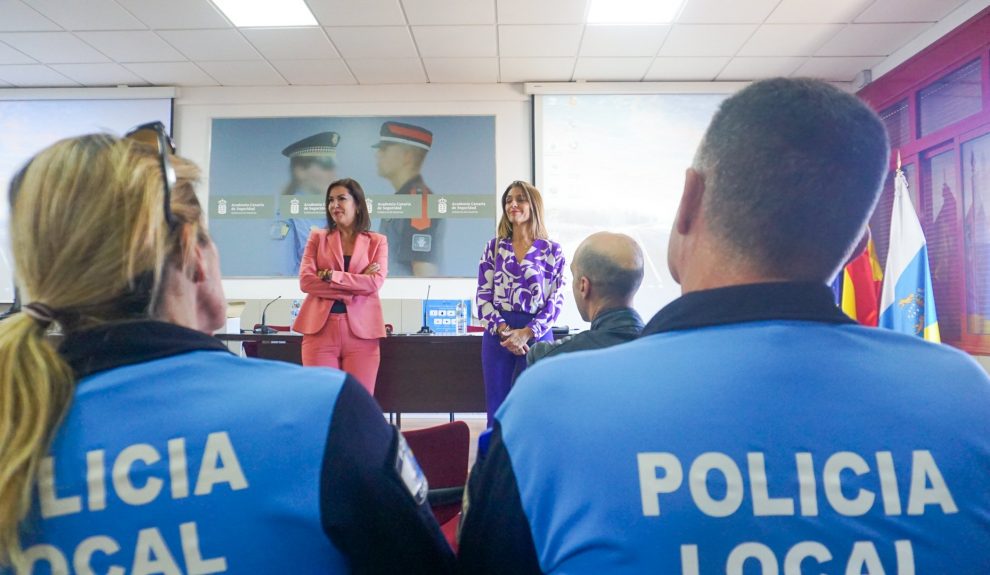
35 392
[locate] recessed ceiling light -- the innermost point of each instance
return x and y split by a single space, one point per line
633 12
258 13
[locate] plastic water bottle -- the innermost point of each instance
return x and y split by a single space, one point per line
294 312
460 318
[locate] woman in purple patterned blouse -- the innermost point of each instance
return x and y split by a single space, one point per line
519 290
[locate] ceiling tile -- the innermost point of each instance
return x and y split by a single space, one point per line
456 12
456 41
289 43
53 47
745 69
611 69
33 76
357 13
387 70
685 69
536 69
542 11
622 41
789 39
172 74
243 73
314 72
373 42
538 41
10 56
4 84
871 39
693 40
462 70
817 11
176 14
88 15
138 46
837 69
726 11
908 10
19 17
106 74
210 45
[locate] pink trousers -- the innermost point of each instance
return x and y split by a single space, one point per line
336 346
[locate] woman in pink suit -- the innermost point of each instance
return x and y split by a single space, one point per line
342 269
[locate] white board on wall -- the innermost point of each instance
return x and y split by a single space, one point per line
30 124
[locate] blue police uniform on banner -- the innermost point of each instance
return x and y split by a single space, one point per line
178 457
752 429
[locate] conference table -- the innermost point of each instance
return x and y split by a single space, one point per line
418 373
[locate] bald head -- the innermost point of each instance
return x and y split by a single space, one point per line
613 265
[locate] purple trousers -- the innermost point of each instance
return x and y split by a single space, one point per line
499 366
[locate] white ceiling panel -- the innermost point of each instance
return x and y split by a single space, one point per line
172 74
836 69
19 17
542 11
357 12
176 14
456 41
33 76
908 10
685 69
706 39
243 73
871 39
53 47
622 41
536 69
137 46
611 69
758 68
10 56
789 39
459 12
289 43
538 41
106 74
462 70
212 45
726 11
314 72
4 84
88 15
373 42
388 70
817 11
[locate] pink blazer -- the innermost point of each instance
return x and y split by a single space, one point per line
359 292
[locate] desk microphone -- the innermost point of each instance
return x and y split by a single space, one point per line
425 330
263 328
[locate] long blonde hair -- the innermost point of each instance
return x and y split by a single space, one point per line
536 226
90 243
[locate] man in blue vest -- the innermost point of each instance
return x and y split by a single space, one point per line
753 428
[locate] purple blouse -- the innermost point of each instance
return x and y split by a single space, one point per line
532 286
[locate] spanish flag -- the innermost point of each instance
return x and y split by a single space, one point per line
862 279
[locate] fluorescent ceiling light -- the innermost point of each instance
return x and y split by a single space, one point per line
266 13
633 12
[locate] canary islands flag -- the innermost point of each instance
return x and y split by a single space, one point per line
907 303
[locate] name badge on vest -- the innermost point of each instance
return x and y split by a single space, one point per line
422 242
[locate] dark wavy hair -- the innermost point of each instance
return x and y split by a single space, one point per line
362 221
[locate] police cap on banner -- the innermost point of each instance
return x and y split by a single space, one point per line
399 133
322 146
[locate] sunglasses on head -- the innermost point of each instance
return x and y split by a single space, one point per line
154 135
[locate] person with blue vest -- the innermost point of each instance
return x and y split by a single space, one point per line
752 428
135 442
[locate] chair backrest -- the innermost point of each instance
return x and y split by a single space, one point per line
442 452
